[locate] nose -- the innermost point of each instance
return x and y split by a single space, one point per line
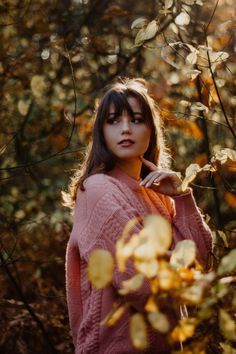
126 127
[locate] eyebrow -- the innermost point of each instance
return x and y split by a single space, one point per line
115 113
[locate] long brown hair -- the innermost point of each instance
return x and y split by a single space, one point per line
98 158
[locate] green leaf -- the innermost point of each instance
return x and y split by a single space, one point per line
228 263
227 325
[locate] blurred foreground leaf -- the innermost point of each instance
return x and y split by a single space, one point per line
100 268
138 331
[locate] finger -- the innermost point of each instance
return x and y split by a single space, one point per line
155 179
149 164
149 177
170 176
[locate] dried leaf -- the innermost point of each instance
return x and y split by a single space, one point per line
228 263
168 4
159 321
192 57
139 39
132 284
190 174
184 254
198 106
227 325
218 57
100 268
224 154
151 30
139 23
192 73
138 331
182 19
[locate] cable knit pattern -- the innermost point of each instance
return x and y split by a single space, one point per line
100 215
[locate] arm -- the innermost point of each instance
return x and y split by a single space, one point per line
187 220
189 224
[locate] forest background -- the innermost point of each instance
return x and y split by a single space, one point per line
55 59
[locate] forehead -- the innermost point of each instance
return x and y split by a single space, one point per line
131 103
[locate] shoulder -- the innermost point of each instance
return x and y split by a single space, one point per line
97 180
99 184
100 192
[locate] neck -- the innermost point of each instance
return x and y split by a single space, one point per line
131 167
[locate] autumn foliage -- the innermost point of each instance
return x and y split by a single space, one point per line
55 59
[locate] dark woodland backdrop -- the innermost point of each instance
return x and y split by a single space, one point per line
55 59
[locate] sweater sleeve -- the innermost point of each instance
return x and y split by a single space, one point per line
188 223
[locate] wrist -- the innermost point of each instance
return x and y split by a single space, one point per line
181 192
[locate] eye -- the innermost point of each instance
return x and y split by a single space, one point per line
112 121
137 120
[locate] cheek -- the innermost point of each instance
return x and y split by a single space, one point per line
108 136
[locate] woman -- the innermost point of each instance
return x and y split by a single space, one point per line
125 174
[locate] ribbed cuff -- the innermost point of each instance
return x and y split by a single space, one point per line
185 203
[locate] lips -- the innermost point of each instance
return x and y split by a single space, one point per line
126 141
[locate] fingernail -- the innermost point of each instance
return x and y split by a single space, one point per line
141 183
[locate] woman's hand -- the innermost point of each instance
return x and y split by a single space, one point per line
162 180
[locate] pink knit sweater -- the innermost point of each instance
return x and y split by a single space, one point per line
101 212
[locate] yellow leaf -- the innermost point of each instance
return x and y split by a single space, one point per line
132 284
182 19
138 331
227 325
227 349
159 231
184 330
184 254
38 85
100 268
124 250
148 268
151 305
168 279
114 315
159 321
192 294
23 107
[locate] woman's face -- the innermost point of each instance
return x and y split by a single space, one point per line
127 136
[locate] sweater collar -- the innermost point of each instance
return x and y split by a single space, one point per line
123 177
